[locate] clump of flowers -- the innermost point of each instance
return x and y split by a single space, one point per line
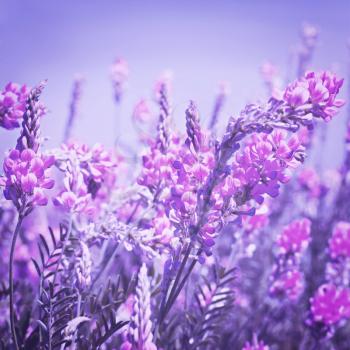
27 177
146 249
319 90
85 170
292 242
339 244
330 304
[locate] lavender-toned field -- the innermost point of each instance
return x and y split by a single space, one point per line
188 229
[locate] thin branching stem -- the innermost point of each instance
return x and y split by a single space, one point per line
12 252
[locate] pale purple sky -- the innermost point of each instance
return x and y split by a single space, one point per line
202 42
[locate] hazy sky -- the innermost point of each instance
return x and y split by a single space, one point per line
202 42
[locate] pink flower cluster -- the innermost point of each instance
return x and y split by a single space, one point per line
85 171
157 171
339 244
290 283
263 165
311 181
13 100
12 105
287 278
26 177
318 89
330 304
295 237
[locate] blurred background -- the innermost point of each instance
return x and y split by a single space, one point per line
201 42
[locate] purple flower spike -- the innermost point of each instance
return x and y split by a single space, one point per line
339 244
192 126
295 237
330 304
140 331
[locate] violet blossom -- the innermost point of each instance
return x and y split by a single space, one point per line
330 304
12 105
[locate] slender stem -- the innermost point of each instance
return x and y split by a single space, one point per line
180 287
12 251
177 279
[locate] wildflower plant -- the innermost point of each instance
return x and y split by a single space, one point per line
201 241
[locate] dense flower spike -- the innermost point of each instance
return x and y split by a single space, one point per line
330 304
295 237
140 330
339 244
30 133
287 279
193 129
162 95
289 283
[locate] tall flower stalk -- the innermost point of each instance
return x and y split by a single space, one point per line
309 98
26 176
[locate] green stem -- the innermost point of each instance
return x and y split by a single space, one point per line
12 251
